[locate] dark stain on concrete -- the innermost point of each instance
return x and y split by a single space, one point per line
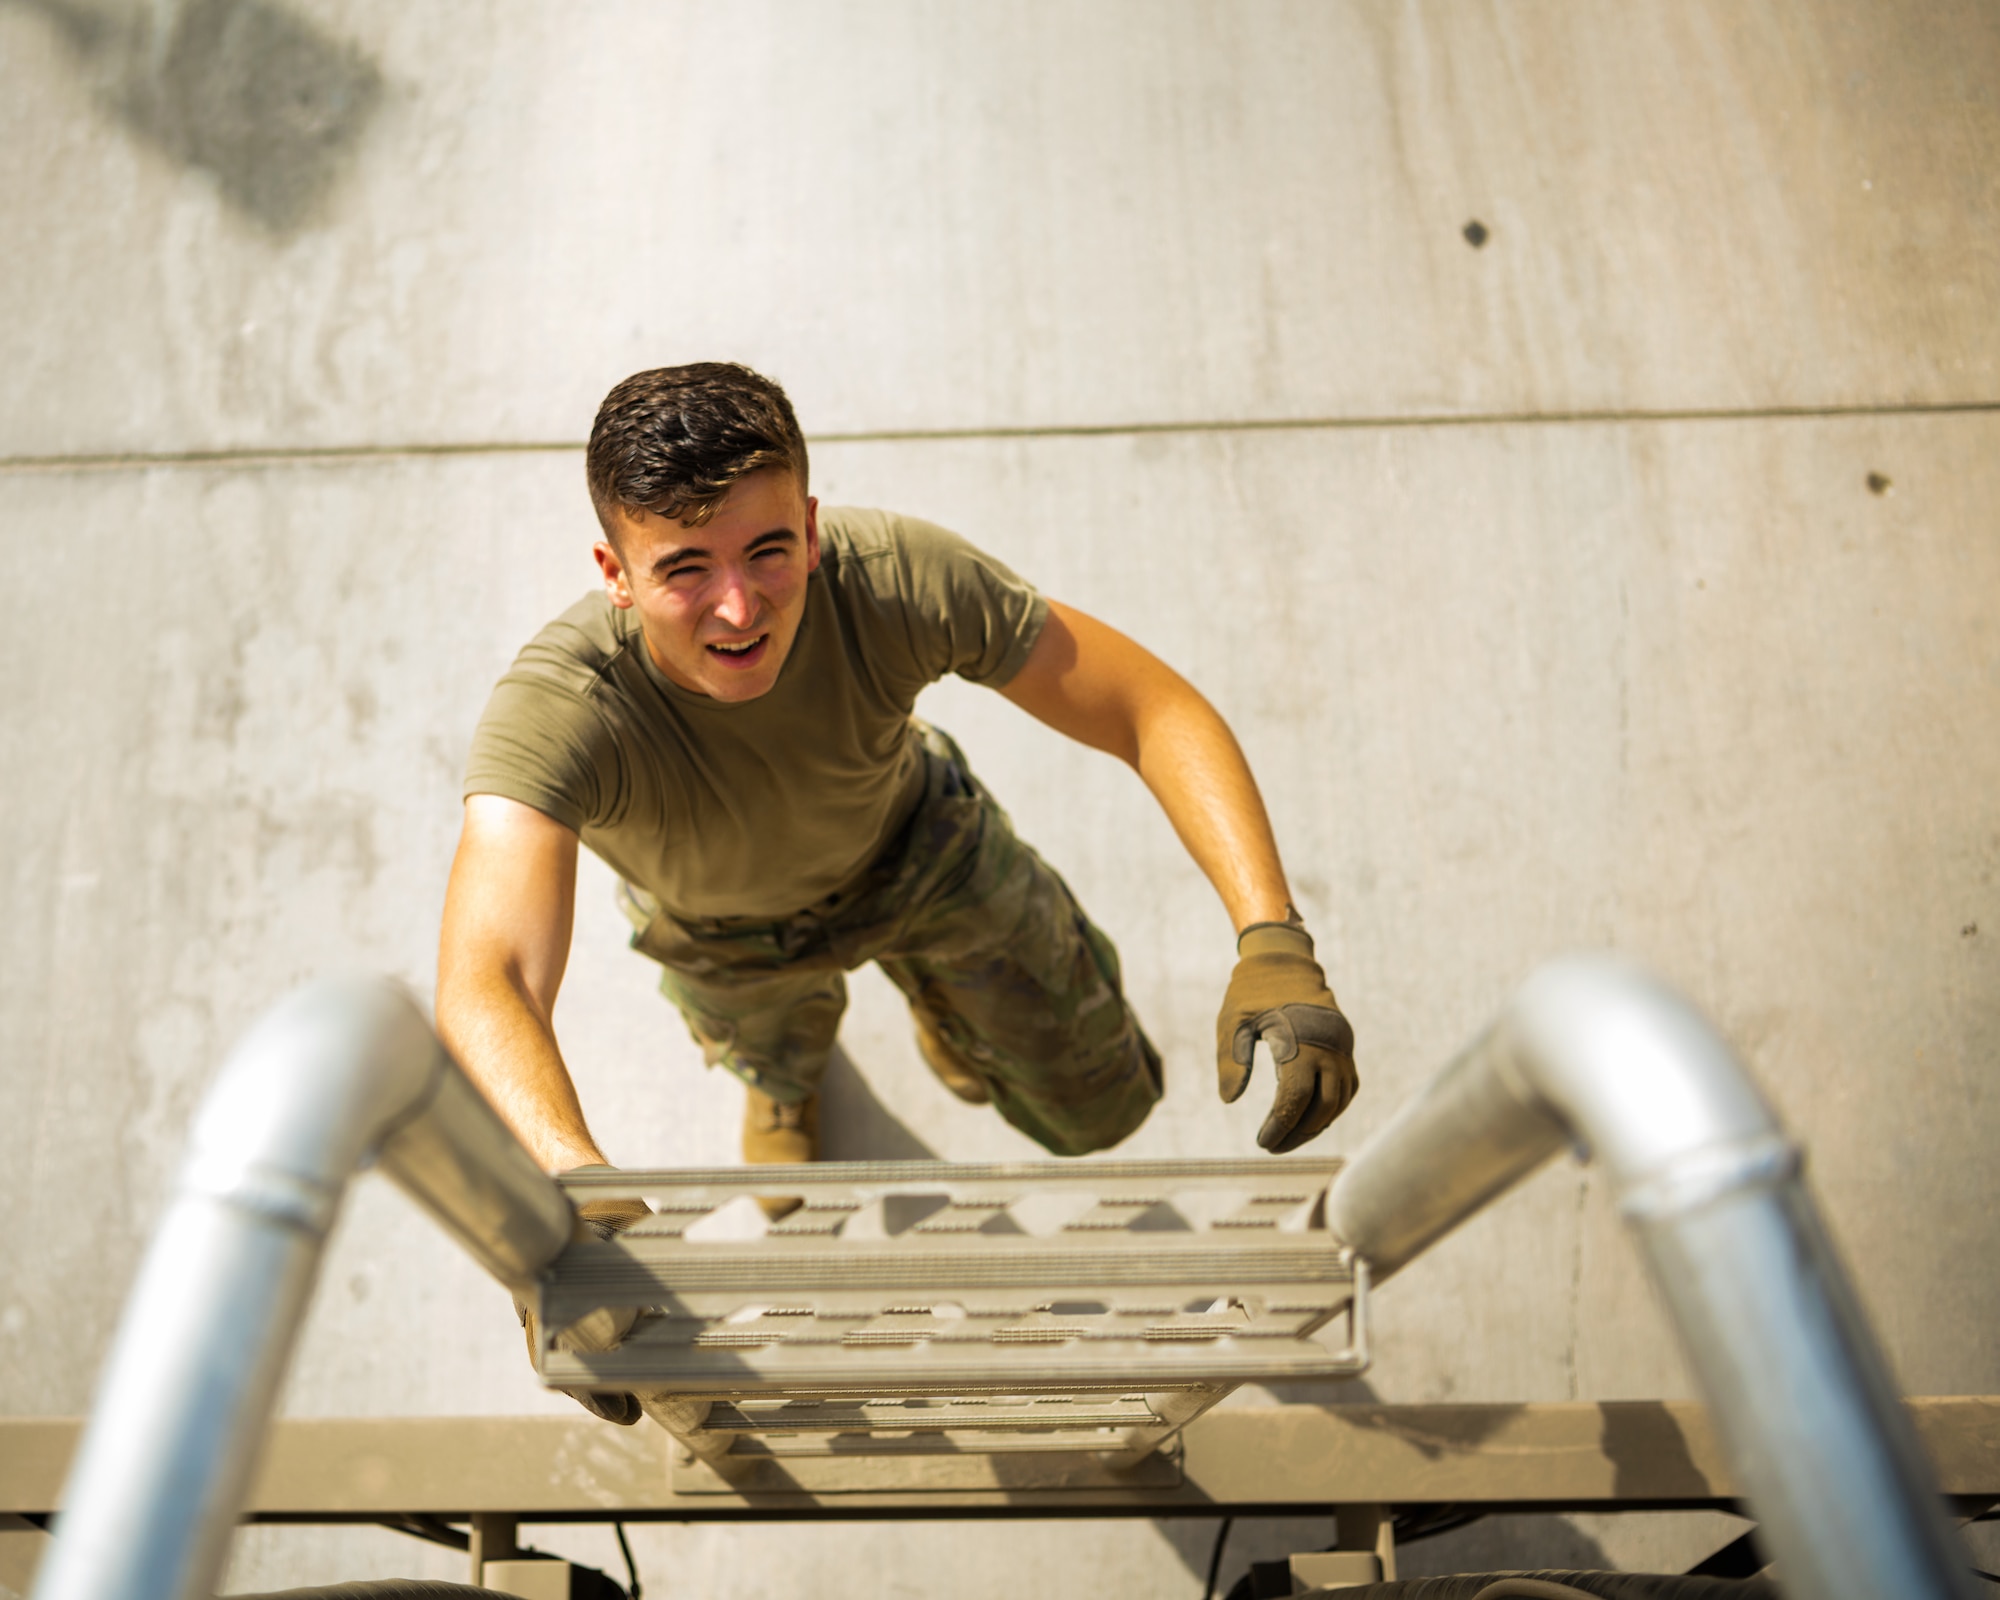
262 99
362 706
1476 233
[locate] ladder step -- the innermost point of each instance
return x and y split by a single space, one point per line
1038 1307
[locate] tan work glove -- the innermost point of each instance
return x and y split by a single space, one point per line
605 1328
1278 994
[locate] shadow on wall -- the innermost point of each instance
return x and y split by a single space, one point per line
1495 1544
1640 1431
262 99
1250 1539
854 1124
1506 1544
21 1547
1261 1538
1649 1453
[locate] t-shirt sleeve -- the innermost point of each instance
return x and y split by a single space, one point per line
545 746
969 613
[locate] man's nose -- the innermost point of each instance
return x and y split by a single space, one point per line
737 605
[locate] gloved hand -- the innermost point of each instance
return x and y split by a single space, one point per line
1278 994
605 1328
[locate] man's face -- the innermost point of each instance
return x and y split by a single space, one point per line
720 604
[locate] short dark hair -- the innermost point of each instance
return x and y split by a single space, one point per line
672 440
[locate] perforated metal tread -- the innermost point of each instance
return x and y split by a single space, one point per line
925 1275
1022 1312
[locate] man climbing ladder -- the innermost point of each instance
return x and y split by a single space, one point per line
728 724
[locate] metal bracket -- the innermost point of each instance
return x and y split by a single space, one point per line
1038 1324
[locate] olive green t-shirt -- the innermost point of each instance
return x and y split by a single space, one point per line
764 806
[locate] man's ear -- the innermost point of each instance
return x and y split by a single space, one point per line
613 569
812 534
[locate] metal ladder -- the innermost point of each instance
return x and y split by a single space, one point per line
896 1300
928 1325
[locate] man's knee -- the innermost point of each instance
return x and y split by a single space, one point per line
1083 1142
1068 1124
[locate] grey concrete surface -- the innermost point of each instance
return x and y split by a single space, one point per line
1516 680
1028 214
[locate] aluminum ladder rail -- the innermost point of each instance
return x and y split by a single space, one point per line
341 1074
1594 1052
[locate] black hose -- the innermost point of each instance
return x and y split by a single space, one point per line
1215 1558
631 1567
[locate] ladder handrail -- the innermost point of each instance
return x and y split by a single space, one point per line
340 1074
1594 1052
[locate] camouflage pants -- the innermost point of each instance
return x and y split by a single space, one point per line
975 929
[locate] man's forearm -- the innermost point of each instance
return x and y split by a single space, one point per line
508 1048
1098 687
504 942
1092 684
1196 770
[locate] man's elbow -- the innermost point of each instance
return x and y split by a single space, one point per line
1171 715
477 980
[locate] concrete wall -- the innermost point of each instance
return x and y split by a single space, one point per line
1626 580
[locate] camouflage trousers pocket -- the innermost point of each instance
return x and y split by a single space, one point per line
775 1034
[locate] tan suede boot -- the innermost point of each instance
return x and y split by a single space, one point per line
777 1135
953 1071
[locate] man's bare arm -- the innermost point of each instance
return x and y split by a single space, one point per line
1090 682
508 914
1100 688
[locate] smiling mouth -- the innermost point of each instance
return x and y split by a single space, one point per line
742 652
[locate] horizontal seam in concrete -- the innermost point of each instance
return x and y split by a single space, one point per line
307 454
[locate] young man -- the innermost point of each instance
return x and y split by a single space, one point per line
728 724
